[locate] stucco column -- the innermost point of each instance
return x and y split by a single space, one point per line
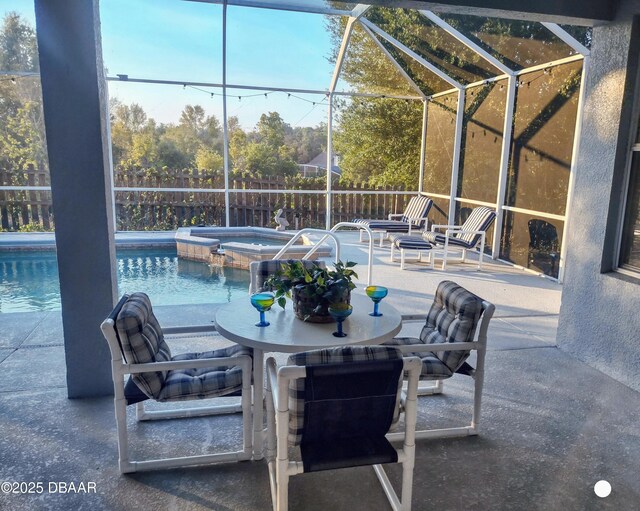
599 320
72 75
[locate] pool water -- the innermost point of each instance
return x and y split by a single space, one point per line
252 240
29 280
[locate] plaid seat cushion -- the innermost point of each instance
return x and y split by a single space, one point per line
142 341
453 317
480 219
184 384
329 356
432 367
262 270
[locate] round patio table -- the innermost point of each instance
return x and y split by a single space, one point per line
288 334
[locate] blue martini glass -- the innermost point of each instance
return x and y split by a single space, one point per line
340 312
376 293
262 302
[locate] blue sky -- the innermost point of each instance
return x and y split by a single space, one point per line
181 40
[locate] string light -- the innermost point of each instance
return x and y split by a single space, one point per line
289 95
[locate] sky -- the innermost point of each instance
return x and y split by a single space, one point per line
182 41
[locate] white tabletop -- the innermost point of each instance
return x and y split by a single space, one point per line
287 334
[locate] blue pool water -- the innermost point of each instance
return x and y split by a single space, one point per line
29 280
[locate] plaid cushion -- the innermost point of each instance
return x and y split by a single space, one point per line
262 270
480 219
184 384
453 317
329 356
432 367
142 341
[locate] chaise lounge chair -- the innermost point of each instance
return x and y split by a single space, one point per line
414 218
468 236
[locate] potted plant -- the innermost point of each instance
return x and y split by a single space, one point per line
313 290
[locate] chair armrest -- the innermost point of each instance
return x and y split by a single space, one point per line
445 346
151 367
395 215
445 227
190 329
413 317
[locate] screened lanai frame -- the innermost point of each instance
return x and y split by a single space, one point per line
356 17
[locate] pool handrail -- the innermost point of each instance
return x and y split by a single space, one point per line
300 233
330 234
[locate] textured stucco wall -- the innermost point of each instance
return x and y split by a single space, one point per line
74 101
600 312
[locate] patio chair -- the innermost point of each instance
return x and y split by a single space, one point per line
414 218
260 271
138 348
455 326
337 405
470 235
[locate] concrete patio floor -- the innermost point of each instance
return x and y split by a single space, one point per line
551 425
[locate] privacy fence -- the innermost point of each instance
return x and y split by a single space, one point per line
146 199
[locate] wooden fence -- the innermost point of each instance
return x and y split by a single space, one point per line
252 202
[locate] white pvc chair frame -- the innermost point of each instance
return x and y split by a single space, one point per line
385 234
281 468
443 250
480 346
119 369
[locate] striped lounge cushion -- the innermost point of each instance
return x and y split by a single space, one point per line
328 356
410 242
480 219
184 384
453 317
418 207
387 225
142 341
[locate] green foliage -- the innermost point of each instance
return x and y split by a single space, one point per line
327 285
379 142
22 139
32 227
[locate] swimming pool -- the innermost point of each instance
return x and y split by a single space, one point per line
29 280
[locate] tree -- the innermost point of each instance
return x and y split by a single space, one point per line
271 129
22 136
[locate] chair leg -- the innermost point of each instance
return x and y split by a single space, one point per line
402 253
120 405
247 415
407 479
382 234
282 485
393 253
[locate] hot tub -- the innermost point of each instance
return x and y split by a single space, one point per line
217 245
